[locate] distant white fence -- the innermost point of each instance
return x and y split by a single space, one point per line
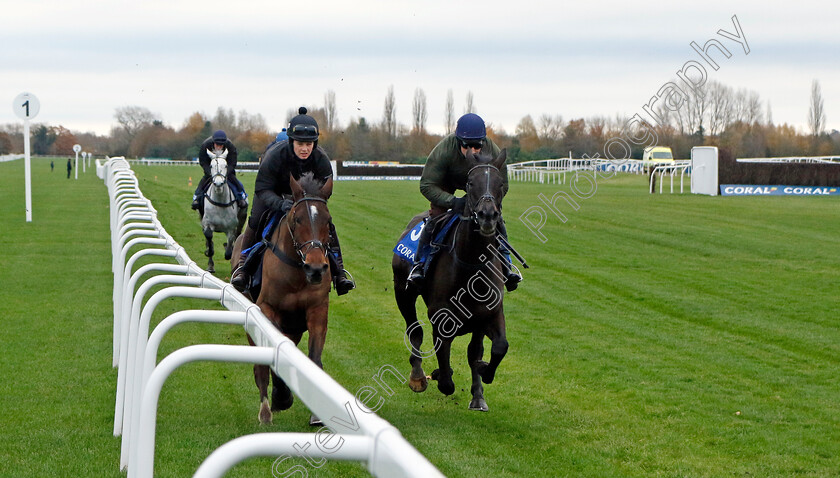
134 224
11 157
793 159
670 170
554 171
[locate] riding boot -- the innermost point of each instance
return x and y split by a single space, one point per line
417 275
199 192
240 278
512 279
238 191
342 284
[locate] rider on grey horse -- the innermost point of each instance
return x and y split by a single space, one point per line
219 146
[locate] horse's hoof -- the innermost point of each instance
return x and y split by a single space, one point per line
487 375
435 374
446 387
211 270
418 385
283 405
265 413
479 405
314 421
228 255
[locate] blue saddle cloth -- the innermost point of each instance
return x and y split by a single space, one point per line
406 248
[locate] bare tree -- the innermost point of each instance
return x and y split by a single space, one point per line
720 107
769 116
133 118
419 111
389 120
449 114
550 128
225 120
330 110
754 108
470 108
816 113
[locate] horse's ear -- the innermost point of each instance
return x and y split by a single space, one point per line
500 159
297 191
326 189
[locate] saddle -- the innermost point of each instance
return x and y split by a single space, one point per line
253 261
407 247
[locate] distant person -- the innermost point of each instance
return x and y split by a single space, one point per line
52 166
69 167
219 145
445 172
281 136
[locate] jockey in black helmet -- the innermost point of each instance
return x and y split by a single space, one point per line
272 193
219 145
445 171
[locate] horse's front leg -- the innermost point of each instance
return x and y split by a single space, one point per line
231 239
498 348
261 379
475 352
443 374
208 236
316 324
406 300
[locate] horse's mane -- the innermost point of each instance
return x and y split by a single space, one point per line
310 184
482 158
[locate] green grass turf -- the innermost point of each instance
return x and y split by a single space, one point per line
654 335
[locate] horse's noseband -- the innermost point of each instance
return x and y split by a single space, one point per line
304 249
487 196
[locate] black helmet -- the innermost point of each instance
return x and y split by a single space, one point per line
303 127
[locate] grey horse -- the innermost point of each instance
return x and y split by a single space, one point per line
221 213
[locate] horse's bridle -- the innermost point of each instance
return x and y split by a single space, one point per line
304 249
487 196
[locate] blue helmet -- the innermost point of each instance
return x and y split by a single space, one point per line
281 136
470 126
219 136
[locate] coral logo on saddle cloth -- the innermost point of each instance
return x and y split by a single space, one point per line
407 247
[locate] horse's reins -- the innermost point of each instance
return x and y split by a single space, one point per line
299 248
487 196
220 204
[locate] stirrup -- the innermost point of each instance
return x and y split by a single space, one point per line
239 278
416 276
343 284
512 278
194 204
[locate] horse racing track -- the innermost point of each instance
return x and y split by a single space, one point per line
671 335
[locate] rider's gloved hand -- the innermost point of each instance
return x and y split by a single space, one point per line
286 205
459 204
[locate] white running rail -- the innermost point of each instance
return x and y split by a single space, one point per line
134 224
671 170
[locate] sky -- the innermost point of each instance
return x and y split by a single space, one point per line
85 59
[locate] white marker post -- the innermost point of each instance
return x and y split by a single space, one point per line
84 164
76 149
26 106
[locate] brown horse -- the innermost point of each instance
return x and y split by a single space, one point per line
463 289
296 283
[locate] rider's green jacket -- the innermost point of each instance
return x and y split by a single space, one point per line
446 171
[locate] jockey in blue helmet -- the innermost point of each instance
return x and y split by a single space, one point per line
446 171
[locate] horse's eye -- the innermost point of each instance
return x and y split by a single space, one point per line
298 220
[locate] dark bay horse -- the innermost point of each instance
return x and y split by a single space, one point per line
295 288
463 290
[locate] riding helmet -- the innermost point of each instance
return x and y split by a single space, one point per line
303 127
219 137
470 126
